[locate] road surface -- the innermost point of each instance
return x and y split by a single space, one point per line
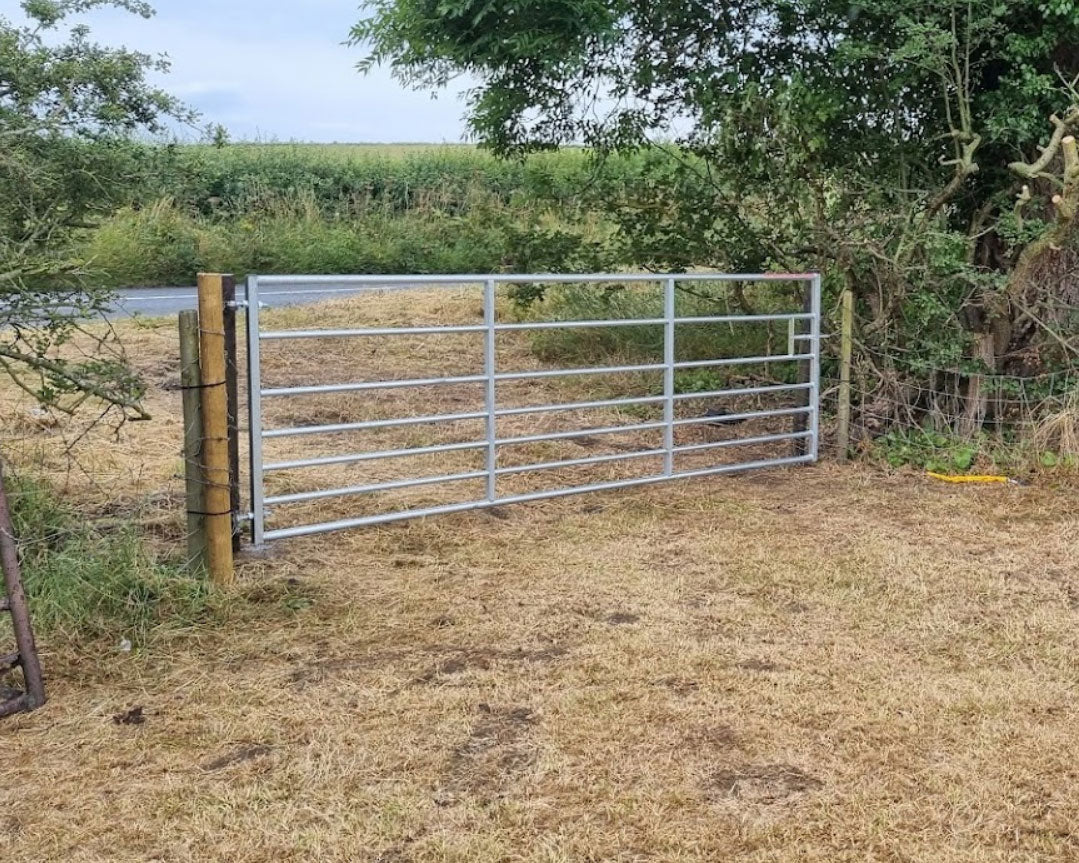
158 302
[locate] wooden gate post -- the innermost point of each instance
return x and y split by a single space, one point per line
215 429
845 354
191 386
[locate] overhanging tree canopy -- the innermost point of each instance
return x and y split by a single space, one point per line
68 107
894 143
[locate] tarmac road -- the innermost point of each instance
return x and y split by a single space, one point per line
158 302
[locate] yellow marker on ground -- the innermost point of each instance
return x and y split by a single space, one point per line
943 477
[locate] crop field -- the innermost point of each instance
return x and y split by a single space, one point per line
821 664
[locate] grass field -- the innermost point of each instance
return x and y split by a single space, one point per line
824 664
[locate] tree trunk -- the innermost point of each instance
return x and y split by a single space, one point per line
977 397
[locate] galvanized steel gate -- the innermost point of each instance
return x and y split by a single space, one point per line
803 347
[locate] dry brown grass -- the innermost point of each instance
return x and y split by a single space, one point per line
812 665
1059 431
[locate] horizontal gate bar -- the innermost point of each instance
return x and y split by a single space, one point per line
574 325
372 385
738 361
566 435
526 278
506 412
370 424
371 520
322 494
577 462
520 376
752 415
738 319
374 456
745 441
558 373
649 322
370 331
279 335
550 436
367 521
743 391
574 406
468 379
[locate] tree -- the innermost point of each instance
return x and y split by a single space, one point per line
68 110
920 151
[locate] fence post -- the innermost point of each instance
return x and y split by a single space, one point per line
215 429
228 299
190 385
845 353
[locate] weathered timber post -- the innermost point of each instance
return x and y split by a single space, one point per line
191 387
215 430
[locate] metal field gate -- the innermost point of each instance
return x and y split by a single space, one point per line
800 347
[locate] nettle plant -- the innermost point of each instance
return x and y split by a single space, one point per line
919 151
68 109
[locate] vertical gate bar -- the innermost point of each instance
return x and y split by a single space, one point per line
802 422
489 369
668 377
814 373
254 404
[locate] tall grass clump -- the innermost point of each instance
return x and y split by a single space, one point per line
85 584
1056 434
154 246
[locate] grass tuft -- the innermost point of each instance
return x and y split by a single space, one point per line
84 584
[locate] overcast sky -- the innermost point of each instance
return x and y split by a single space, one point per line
277 70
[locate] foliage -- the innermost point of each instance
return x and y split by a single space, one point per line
931 450
68 107
242 179
84 584
163 244
875 140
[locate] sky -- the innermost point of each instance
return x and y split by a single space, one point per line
276 70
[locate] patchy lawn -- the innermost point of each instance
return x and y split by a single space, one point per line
822 664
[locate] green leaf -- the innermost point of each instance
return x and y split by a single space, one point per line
964 458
